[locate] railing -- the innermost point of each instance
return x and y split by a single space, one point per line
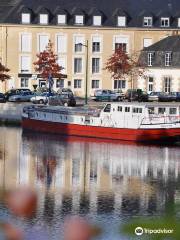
153 120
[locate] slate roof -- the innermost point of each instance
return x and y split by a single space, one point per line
170 44
134 9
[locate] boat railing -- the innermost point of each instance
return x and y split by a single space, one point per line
152 120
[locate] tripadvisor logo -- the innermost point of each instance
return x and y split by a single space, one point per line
139 231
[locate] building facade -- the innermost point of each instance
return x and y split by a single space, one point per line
162 62
75 29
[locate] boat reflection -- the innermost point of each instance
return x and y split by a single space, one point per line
77 176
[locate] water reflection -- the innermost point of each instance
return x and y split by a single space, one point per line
96 179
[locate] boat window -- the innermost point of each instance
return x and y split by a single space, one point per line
107 108
151 110
137 110
173 111
161 110
127 109
119 108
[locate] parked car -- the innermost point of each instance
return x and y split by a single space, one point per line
41 98
2 98
175 96
65 99
107 95
136 95
15 92
166 97
21 97
65 90
154 96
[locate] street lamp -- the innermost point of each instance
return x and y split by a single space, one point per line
87 65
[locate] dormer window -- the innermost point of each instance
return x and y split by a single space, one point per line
26 18
121 21
150 59
43 19
165 22
148 22
97 20
168 59
61 19
79 19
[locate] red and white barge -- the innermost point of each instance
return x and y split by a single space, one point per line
120 121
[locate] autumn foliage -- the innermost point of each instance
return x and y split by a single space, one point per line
46 63
121 65
4 73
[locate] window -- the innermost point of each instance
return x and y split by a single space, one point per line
60 83
148 21
78 65
165 22
150 84
43 42
95 65
147 42
150 59
78 43
172 111
121 21
77 83
119 109
167 84
26 18
119 84
62 62
168 59
107 108
95 84
24 82
61 43
43 18
25 64
137 110
120 42
97 20
122 46
127 109
151 110
61 19
161 110
25 45
96 44
79 19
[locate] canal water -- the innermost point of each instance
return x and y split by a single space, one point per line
109 183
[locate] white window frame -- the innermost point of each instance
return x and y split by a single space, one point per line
97 38
24 78
120 82
96 80
121 39
64 71
21 49
79 38
163 21
38 40
150 59
167 85
148 22
121 21
79 19
43 18
97 20
99 72
77 79
64 37
61 19
28 70
150 83
168 59
82 66
25 18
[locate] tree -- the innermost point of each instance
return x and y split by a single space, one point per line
4 73
47 66
121 65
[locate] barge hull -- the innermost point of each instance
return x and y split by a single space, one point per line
139 135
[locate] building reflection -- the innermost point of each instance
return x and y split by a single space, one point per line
77 176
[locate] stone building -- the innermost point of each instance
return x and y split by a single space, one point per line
162 61
26 27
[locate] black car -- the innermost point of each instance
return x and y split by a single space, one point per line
67 100
136 95
169 97
2 98
175 96
16 91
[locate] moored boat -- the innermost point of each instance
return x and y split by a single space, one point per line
120 121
